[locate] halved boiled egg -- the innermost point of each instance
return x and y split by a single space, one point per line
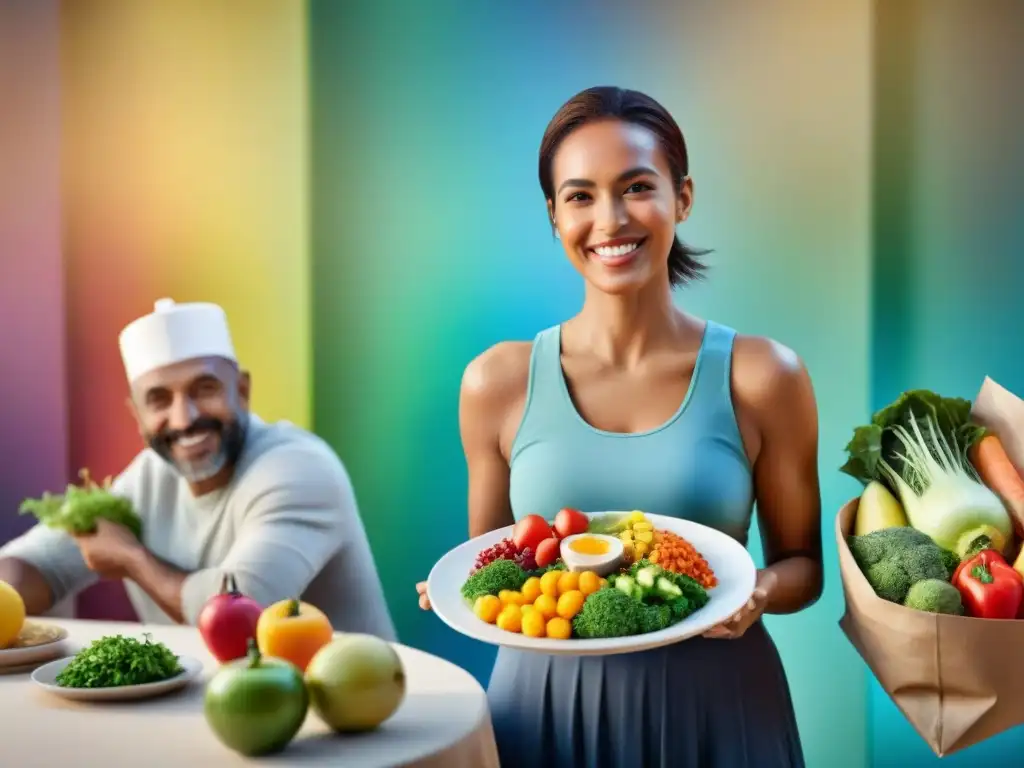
592 552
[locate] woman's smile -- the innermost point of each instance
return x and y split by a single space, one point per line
618 252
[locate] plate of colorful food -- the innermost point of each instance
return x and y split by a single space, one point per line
592 584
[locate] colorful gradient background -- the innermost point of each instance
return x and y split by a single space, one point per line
355 183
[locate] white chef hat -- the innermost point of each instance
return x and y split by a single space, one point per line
173 333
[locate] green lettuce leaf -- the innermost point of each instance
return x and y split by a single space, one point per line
877 442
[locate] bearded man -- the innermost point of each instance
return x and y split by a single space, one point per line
219 492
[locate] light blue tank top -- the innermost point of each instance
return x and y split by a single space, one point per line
693 466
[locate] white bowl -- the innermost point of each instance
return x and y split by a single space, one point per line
732 564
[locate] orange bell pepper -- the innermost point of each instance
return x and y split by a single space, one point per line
293 631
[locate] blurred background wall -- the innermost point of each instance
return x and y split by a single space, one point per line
356 184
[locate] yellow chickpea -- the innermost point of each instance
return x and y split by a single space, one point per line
531 590
533 624
568 581
549 583
487 608
510 597
569 604
546 606
559 628
590 582
510 619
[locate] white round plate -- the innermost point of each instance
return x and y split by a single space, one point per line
38 642
730 562
46 678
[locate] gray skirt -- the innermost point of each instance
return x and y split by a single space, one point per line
697 704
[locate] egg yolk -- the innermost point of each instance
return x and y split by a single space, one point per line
588 545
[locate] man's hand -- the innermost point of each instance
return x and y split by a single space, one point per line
110 550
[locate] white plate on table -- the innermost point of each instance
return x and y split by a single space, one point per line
46 678
730 561
37 642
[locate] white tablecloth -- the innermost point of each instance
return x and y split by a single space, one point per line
443 723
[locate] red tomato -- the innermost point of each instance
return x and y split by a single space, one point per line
530 531
547 552
569 522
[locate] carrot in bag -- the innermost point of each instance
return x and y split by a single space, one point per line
990 459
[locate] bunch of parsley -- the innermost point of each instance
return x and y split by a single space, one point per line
118 660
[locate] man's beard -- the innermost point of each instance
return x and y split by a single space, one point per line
231 441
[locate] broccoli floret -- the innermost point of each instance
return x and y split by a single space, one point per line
655 617
876 546
558 565
893 559
935 596
609 612
950 560
889 579
494 577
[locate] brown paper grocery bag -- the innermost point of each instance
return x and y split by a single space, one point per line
957 680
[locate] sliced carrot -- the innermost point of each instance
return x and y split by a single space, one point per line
996 470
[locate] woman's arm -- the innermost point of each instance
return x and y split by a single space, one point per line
779 398
490 401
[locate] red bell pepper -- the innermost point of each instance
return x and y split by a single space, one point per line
989 586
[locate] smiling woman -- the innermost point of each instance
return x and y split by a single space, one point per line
685 418
585 125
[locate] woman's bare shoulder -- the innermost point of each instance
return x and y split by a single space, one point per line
768 377
499 375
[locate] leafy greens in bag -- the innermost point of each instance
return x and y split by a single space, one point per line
917 447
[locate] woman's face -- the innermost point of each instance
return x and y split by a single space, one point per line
615 208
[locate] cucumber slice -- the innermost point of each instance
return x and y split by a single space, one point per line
667 589
646 577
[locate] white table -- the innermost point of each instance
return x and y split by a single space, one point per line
444 721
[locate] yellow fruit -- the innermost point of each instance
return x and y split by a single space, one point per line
559 628
590 582
644 536
637 516
640 549
510 619
525 609
487 608
546 606
567 582
510 597
549 583
531 590
569 604
878 509
642 527
626 536
12 614
533 624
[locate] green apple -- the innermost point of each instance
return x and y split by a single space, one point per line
355 682
256 705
